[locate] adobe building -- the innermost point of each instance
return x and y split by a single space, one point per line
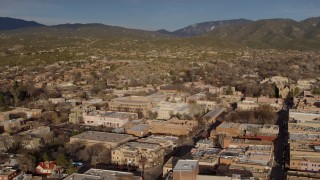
109 140
186 170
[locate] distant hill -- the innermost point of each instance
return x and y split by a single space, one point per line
271 33
204 27
267 33
163 31
7 23
95 30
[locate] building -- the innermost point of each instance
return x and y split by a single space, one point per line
209 105
98 174
306 84
169 165
168 143
108 119
186 170
278 80
8 174
16 113
304 157
75 117
57 100
131 104
49 168
12 125
250 103
213 115
139 130
29 112
248 158
207 157
165 110
227 90
255 131
138 154
205 143
173 127
109 140
196 97
304 119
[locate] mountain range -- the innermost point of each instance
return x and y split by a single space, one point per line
204 27
268 33
7 23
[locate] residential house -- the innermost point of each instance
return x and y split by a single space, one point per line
49 169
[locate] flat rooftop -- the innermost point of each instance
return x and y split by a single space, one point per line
205 154
132 99
167 138
99 174
7 171
185 165
102 136
303 137
140 127
112 114
136 145
228 125
215 112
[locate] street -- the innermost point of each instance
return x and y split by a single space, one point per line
281 146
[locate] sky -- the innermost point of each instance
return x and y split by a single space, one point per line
155 14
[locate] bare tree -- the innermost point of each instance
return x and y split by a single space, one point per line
26 162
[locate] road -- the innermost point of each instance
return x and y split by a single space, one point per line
281 149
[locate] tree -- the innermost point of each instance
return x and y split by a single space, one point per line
229 91
297 91
71 168
74 147
104 156
62 160
265 114
152 115
45 157
26 162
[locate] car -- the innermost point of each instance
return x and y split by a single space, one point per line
77 164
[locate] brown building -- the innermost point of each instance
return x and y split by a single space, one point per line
139 130
109 140
13 125
138 154
131 104
173 127
8 174
186 170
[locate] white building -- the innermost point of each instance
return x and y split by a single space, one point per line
166 109
108 119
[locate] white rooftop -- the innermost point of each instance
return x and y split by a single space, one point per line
185 165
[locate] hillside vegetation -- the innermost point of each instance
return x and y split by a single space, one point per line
48 44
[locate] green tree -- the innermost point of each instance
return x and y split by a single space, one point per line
62 160
229 91
45 157
71 168
297 91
